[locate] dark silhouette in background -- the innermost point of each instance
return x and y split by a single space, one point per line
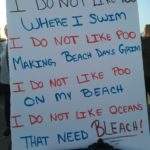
4 83
146 62
99 145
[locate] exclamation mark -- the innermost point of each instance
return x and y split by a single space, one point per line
141 125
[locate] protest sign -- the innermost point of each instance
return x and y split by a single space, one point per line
76 74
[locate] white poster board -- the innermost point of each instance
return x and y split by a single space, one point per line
76 74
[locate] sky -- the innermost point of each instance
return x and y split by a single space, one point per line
144 17
143 7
